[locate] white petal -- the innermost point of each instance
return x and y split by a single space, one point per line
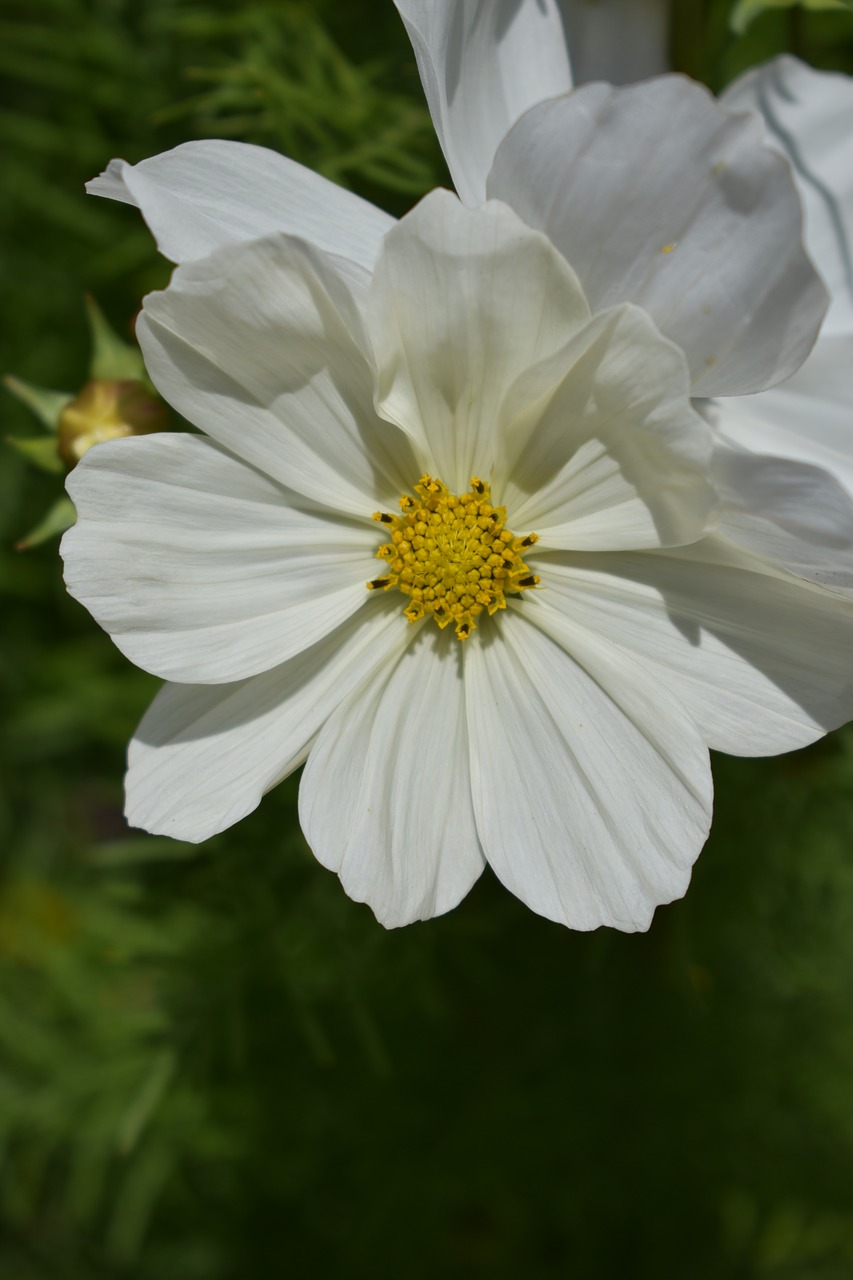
810 114
261 346
658 195
592 789
760 662
201 568
204 755
808 418
206 194
462 302
385 800
797 516
482 66
616 40
619 458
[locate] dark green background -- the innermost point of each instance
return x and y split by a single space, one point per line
213 1065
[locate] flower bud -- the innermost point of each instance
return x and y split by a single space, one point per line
107 409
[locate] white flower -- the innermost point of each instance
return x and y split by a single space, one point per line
556 726
784 463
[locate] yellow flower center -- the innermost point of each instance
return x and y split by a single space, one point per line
453 556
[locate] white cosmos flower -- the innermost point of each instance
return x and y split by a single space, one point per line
784 462
560 730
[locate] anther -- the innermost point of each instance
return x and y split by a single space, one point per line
452 555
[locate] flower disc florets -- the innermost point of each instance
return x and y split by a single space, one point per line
452 555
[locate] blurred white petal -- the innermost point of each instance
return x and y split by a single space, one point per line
657 195
808 418
797 515
616 40
482 65
810 115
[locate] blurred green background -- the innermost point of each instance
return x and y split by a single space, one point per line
213 1065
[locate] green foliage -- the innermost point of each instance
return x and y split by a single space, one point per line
746 10
281 80
213 1065
47 405
110 356
40 451
717 40
84 80
58 517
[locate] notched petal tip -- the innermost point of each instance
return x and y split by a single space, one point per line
110 184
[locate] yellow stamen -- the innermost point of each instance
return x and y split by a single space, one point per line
452 555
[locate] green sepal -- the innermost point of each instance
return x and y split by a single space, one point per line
46 404
60 517
40 450
746 11
113 359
